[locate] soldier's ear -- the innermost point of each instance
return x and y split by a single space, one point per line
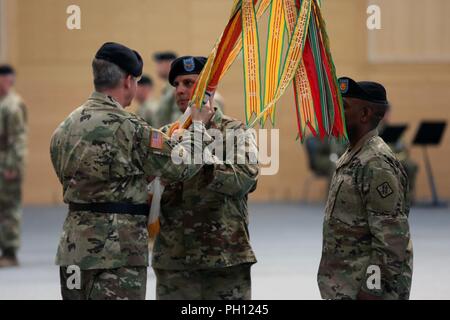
366 114
127 81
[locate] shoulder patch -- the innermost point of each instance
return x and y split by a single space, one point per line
384 190
156 140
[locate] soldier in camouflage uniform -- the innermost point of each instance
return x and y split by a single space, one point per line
144 97
13 134
367 249
103 156
203 250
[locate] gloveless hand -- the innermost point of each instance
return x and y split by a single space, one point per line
204 114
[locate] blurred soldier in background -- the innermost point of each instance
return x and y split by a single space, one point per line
167 111
367 248
13 149
402 153
323 155
203 249
103 156
147 105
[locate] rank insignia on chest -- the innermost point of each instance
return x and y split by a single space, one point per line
156 140
385 190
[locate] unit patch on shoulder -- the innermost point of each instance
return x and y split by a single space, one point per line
384 190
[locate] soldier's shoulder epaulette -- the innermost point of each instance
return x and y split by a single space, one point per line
135 121
133 117
369 151
381 150
382 161
369 154
93 112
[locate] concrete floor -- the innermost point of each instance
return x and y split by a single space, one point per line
286 239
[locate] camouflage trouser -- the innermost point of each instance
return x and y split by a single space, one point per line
10 214
126 283
233 283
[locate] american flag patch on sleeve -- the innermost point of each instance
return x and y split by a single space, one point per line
156 140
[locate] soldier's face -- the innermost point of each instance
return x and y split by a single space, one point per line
352 115
184 88
6 83
163 69
358 117
143 93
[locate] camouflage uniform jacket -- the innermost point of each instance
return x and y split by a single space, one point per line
204 220
101 153
366 224
13 133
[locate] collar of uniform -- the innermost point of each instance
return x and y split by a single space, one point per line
105 99
350 153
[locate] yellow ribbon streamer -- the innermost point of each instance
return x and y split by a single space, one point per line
302 87
252 73
293 57
274 55
264 4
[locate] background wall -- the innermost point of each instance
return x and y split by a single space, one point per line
54 74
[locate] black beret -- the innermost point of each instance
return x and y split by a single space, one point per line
145 81
365 90
186 65
127 59
6 70
164 56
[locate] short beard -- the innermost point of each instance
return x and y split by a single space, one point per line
352 133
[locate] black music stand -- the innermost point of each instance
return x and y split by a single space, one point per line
392 134
430 133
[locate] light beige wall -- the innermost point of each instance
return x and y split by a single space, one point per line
3 31
54 75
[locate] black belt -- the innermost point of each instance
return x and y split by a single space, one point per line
120 208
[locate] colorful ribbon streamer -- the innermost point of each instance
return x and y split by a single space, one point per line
274 56
252 60
307 63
